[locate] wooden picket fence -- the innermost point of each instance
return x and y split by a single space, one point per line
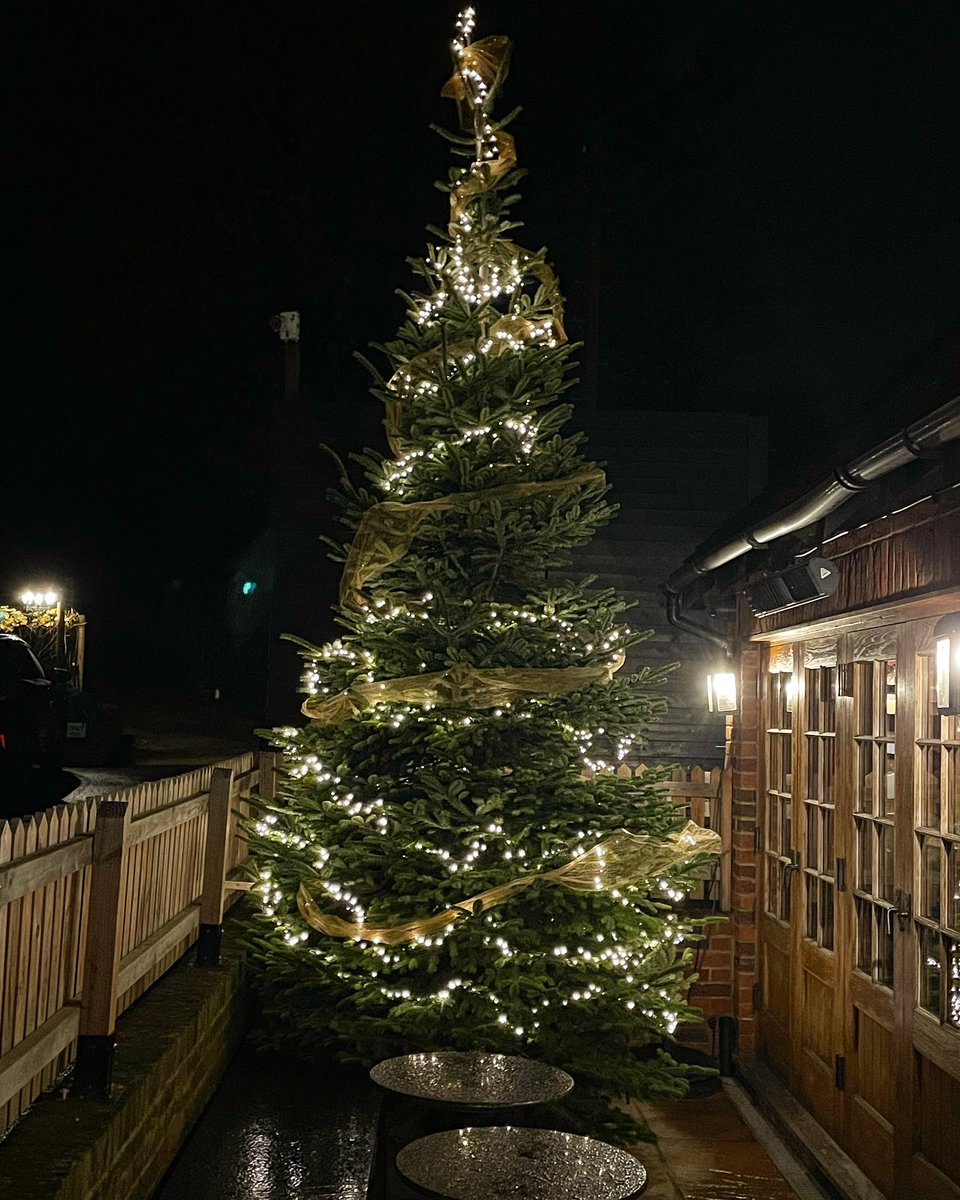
705 796
89 921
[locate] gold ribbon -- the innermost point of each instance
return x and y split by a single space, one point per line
482 176
490 60
623 860
474 687
506 332
387 529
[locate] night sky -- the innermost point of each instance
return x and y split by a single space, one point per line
751 206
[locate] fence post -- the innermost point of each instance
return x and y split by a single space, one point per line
219 817
268 775
93 1073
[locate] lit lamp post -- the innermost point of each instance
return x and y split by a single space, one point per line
947 635
38 600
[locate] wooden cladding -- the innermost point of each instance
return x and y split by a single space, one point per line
895 558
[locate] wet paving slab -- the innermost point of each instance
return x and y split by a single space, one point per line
280 1127
706 1151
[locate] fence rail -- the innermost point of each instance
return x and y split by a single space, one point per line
97 900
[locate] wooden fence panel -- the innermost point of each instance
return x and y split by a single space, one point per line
45 880
705 796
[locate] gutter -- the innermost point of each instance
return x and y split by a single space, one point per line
921 438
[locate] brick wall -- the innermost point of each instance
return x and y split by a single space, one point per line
746 735
172 1049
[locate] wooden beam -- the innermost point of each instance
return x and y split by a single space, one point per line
931 604
46 866
25 1061
143 959
154 823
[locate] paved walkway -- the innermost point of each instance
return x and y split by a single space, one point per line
706 1150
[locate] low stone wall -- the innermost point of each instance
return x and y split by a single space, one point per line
172 1049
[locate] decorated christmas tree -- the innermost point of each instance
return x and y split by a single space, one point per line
450 863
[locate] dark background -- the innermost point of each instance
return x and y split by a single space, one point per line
752 208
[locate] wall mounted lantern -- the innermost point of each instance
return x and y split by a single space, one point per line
722 691
947 635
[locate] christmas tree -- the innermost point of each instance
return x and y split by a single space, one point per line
450 864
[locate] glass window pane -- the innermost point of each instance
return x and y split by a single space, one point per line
953 886
931 969
813 768
890 698
827 750
865 698
885 835
827 860
812 682
928 716
866 789
864 935
813 837
785 825
930 878
889 782
953 790
828 698
930 775
787 696
813 923
865 856
953 984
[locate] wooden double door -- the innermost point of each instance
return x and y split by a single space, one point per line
859 994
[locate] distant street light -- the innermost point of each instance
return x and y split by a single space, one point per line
45 598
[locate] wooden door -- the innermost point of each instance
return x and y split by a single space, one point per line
875 747
860 908
777 935
816 997
929 1146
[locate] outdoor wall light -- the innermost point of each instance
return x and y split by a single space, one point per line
947 635
39 599
722 691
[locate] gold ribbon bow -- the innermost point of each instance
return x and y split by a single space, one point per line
473 687
486 62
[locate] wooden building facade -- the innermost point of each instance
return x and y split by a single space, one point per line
845 872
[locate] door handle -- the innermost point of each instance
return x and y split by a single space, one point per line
902 907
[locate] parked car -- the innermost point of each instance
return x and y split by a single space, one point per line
31 716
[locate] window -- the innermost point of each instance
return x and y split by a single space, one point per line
819 710
937 833
875 799
778 825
